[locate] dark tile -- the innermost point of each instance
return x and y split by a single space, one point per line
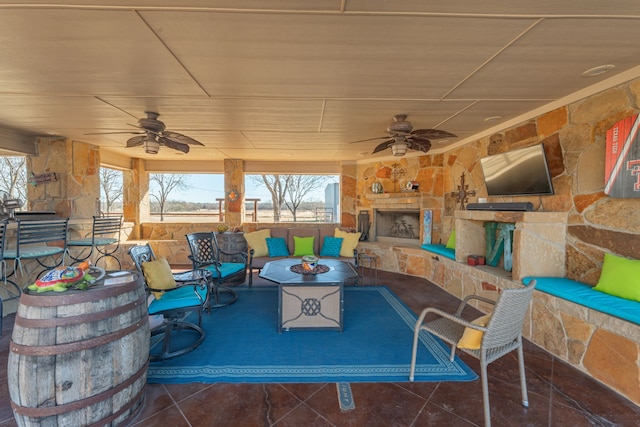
5 401
167 417
303 416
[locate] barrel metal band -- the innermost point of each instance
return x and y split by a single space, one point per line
77 297
53 350
82 318
47 411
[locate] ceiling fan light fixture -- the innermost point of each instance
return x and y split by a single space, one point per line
399 149
151 146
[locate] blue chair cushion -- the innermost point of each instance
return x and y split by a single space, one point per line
331 246
28 252
226 269
440 250
178 298
583 294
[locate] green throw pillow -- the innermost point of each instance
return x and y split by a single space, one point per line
451 243
303 246
620 277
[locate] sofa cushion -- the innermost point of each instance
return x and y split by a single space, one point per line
277 247
331 246
303 245
440 250
158 275
257 241
349 242
451 243
303 232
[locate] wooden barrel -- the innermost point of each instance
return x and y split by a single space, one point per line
80 358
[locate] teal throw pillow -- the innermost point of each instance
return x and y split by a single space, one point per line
620 277
331 246
303 246
451 243
277 246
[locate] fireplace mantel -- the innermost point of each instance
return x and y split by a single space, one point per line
406 200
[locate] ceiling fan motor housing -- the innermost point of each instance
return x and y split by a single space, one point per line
400 124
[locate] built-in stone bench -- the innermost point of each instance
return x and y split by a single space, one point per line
584 294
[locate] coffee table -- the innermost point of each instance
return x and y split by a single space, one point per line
310 301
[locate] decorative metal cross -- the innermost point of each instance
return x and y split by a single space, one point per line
463 193
396 173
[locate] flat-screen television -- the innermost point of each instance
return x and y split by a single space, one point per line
519 172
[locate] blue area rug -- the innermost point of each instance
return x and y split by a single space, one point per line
243 346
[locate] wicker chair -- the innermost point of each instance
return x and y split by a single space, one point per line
501 335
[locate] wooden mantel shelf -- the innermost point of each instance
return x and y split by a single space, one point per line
410 194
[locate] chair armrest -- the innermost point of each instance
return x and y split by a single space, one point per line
449 316
465 302
243 255
197 264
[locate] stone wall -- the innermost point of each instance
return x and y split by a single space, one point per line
603 346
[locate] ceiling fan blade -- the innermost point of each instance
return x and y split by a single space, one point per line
136 141
114 133
370 139
432 134
384 146
423 146
173 144
178 137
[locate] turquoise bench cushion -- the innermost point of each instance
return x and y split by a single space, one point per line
440 250
29 252
583 294
182 297
226 269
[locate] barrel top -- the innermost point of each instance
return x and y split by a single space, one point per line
114 283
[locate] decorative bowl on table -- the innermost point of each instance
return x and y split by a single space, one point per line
309 262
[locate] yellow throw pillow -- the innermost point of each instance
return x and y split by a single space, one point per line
349 242
471 338
158 275
257 240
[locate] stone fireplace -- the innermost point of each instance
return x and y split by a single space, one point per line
396 218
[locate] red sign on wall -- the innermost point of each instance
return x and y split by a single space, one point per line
622 162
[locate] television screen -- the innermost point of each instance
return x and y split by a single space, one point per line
520 172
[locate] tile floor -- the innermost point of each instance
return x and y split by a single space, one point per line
559 395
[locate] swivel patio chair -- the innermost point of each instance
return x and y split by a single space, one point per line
39 240
175 299
205 253
104 239
501 335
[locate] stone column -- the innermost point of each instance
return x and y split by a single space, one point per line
234 183
348 181
135 195
75 190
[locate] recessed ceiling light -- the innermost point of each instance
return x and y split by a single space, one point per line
596 71
363 153
492 118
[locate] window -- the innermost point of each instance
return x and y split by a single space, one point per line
110 190
186 197
13 178
293 198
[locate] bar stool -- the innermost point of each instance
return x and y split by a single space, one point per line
372 263
32 242
102 240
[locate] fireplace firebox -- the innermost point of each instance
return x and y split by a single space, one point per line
397 226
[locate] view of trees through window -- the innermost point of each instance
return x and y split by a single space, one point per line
13 178
110 190
278 198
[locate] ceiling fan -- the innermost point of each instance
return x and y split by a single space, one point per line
402 137
152 135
